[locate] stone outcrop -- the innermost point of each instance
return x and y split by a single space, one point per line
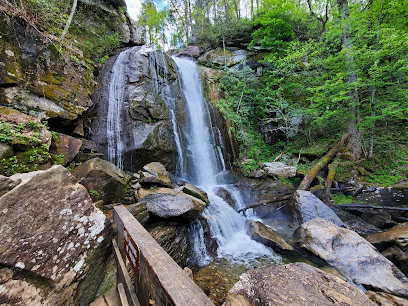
107 182
352 255
263 234
293 284
53 239
306 206
393 244
277 169
216 57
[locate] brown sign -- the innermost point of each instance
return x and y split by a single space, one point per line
132 254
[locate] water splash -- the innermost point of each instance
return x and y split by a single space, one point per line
227 226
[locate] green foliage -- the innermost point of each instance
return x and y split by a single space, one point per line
341 198
93 192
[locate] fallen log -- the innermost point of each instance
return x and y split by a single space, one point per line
323 162
358 205
264 203
329 181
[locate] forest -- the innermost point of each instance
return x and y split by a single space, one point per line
331 67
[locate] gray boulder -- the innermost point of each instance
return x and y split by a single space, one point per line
263 234
106 180
306 206
167 205
294 284
279 169
352 255
53 240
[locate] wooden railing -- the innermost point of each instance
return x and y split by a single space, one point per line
157 279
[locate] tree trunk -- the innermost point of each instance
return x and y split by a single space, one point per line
323 162
354 117
374 89
71 16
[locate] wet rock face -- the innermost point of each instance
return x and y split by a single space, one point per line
352 255
146 128
307 206
293 284
53 237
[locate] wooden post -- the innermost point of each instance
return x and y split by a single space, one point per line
119 234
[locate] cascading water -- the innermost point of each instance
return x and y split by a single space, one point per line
116 100
226 225
161 87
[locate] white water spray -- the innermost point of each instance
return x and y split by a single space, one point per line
116 98
226 225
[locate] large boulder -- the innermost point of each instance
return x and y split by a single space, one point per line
53 241
393 244
168 205
107 182
306 206
263 234
352 255
279 169
155 174
293 284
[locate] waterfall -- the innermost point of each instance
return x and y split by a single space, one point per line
116 98
227 226
161 87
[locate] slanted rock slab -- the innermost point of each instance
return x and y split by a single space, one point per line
352 255
263 234
306 206
54 239
196 192
294 284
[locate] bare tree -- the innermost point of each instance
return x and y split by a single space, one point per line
71 16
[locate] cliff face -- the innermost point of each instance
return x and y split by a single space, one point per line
48 78
45 79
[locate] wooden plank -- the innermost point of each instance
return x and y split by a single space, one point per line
123 276
122 295
112 297
120 234
176 285
100 301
